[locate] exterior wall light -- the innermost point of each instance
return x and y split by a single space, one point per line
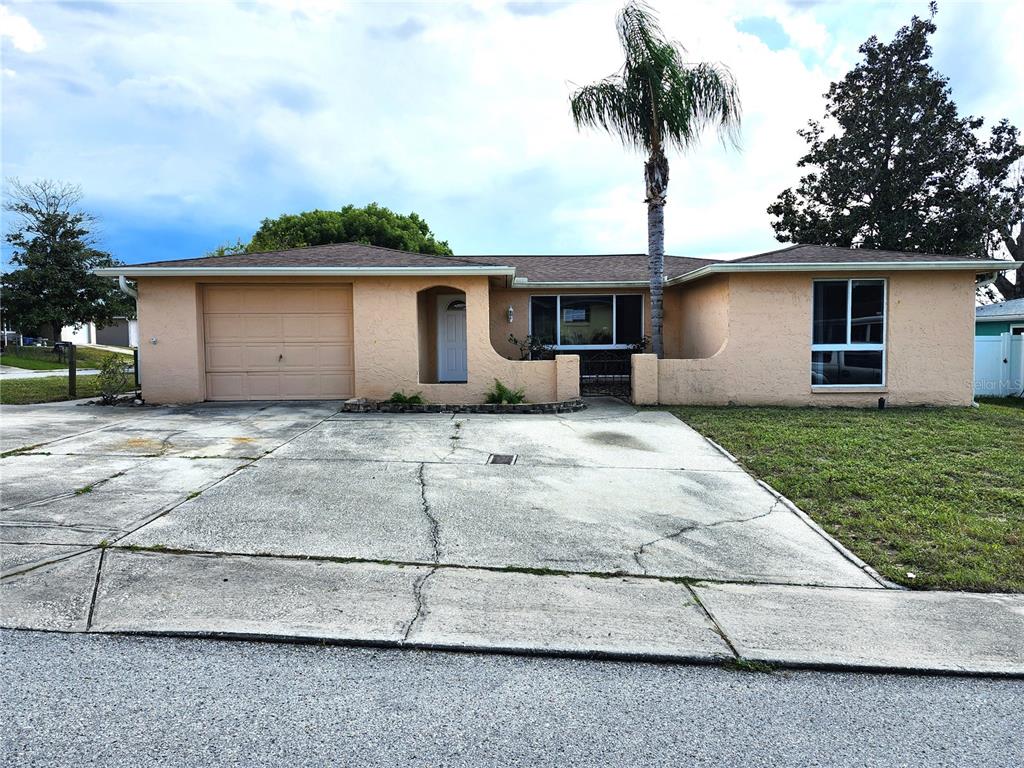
511 312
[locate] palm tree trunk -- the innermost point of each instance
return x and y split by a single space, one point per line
656 177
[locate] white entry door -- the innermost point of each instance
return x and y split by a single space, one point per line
451 338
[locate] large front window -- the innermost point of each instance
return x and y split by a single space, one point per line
575 321
848 335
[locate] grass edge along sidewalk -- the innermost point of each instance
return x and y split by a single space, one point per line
930 497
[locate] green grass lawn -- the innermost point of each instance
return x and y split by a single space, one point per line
42 359
936 492
47 389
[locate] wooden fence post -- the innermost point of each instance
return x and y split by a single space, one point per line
72 378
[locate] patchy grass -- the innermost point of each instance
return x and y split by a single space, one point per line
30 363
934 492
48 389
43 359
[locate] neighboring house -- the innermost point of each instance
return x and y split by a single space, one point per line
123 332
997 319
999 349
804 325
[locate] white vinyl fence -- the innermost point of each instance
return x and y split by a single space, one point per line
999 365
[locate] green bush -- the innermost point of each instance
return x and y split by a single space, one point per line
401 398
502 395
114 377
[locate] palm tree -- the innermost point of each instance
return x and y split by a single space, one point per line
656 100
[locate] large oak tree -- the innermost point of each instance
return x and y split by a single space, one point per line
893 165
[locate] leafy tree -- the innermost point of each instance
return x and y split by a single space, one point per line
657 100
52 244
904 171
373 225
1002 171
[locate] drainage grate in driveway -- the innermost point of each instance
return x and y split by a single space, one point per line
501 458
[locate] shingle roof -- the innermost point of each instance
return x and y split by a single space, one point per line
609 268
333 255
813 254
1011 308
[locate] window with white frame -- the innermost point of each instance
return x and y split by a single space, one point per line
848 333
573 321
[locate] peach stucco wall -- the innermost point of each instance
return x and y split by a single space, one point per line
740 339
171 355
701 317
765 355
387 351
387 348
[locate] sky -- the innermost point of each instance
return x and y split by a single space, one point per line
187 123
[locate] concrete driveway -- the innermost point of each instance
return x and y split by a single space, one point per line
609 490
295 519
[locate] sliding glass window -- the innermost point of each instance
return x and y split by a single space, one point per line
575 321
848 333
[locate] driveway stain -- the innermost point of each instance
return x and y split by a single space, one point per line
146 444
619 440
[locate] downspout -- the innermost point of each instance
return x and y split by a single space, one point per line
122 283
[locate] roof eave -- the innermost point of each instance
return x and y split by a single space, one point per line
998 318
522 282
977 266
129 271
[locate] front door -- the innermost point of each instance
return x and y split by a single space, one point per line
451 338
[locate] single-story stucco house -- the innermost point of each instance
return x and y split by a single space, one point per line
804 325
997 319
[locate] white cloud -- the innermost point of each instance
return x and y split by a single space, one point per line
223 114
21 33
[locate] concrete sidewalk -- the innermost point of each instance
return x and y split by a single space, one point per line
119 590
8 372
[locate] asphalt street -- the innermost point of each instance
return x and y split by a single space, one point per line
84 700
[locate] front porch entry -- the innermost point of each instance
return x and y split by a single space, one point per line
451 338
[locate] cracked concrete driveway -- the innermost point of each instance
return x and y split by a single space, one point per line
610 490
292 519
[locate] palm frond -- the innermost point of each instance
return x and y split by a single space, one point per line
606 104
697 96
658 98
639 32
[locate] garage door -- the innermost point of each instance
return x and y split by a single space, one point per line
278 342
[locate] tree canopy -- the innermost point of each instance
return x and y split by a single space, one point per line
898 167
373 225
52 246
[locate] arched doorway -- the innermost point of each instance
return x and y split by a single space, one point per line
451 338
441 313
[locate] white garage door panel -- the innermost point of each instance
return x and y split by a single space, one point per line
317 327
274 342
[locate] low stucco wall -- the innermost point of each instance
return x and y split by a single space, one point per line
764 357
387 347
387 342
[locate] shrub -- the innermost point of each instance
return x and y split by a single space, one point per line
531 348
502 395
114 378
403 399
